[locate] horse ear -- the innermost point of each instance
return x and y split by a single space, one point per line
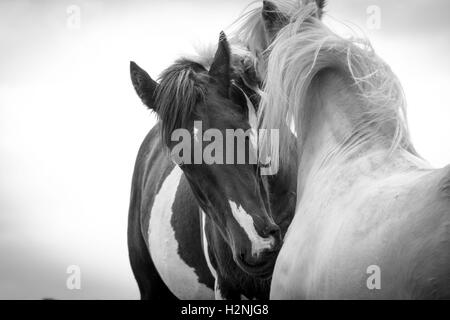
144 85
220 68
273 19
321 5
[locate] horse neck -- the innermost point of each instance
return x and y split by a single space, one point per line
327 124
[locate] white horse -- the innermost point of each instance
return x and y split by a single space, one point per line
372 217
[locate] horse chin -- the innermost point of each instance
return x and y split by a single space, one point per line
262 270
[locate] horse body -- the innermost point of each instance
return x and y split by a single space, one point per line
353 217
368 207
188 255
238 241
176 253
164 229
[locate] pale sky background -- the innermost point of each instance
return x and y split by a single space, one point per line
71 124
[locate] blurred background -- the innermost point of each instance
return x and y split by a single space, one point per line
71 123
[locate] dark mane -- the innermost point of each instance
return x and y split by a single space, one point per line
182 86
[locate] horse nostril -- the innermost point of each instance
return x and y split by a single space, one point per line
272 231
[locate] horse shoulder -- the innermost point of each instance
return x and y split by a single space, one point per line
429 272
438 262
150 284
174 239
168 220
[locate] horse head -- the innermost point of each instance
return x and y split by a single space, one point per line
209 112
258 27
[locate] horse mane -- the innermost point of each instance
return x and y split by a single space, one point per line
305 48
248 28
182 86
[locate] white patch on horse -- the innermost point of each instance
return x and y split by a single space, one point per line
293 128
180 278
205 247
246 222
217 292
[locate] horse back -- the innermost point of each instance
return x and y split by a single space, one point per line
395 221
407 234
404 224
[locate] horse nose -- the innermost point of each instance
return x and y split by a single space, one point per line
272 231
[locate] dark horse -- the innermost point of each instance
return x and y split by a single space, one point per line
199 230
236 240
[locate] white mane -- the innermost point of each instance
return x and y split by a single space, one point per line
304 48
248 31
248 28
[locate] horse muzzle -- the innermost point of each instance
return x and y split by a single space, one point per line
261 264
